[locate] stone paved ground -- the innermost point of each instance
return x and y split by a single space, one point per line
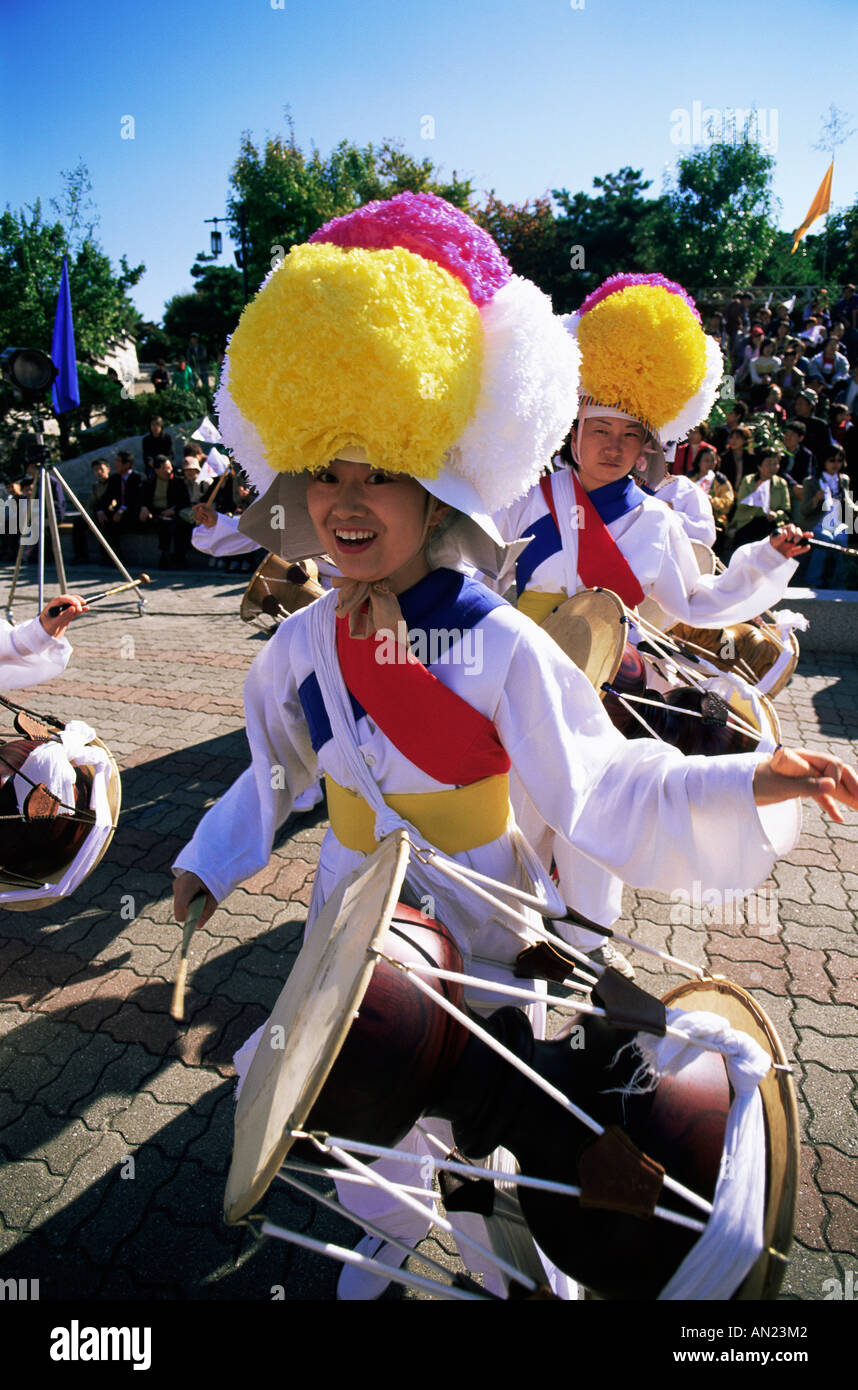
94 1074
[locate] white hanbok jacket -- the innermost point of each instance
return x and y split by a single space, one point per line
30 655
653 541
691 505
639 810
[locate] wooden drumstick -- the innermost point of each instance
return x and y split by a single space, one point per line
192 916
56 609
227 473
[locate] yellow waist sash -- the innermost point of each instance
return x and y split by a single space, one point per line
459 819
537 606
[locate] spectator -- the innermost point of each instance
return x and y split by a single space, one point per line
829 366
838 423
121 501
160 377
162 499
95 503
736 415
750 351
813 331
796 460
789 378
717 488
772 404
847 393
761 369
183 377
762 503
154 443
737 460
685 459
846 307
825 509
816 436
198 363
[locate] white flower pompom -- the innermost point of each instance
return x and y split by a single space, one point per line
240 436
528 395
698 407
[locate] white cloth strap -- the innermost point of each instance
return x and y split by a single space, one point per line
733 1239
565 506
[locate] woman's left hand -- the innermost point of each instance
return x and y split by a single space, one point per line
790 541
797 772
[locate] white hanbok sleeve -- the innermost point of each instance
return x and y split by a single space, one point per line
639 808
694 510
30 655
235 838
755 579
224 538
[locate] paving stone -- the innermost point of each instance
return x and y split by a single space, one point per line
837 1173
840 1054
842 1231
24 1186
811 1212
126 1202
829 1019
808 972
81 1192
829 1095
843 970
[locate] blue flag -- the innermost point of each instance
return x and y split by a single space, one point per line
66 391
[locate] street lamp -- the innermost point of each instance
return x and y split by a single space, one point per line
240 256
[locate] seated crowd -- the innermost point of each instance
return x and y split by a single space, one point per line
787 449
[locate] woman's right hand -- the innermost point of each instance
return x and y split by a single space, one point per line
186 886
204 515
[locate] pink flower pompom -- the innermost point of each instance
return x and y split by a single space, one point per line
615 283
429 227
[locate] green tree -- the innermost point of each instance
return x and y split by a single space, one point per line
286 195
617 231
715 224
528 235
31 257
211 310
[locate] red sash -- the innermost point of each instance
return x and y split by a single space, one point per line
601 563
428 723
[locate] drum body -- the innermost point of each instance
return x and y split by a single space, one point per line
392 1054
273 592
43 850
645 697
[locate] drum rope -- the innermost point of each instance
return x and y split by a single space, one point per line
386 1272
441 1221
462 873
373 1230
573 1006
475 1170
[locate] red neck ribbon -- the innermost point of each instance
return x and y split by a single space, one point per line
430 724
601 563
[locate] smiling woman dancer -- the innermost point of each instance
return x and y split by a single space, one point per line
392 383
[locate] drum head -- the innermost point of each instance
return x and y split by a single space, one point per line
269 582
720 996
592 629
704 556
310 1021
114 800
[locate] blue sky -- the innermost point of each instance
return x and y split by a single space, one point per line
524 97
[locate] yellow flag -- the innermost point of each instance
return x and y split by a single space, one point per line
820 204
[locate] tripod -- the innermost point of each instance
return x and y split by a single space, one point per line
48 473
